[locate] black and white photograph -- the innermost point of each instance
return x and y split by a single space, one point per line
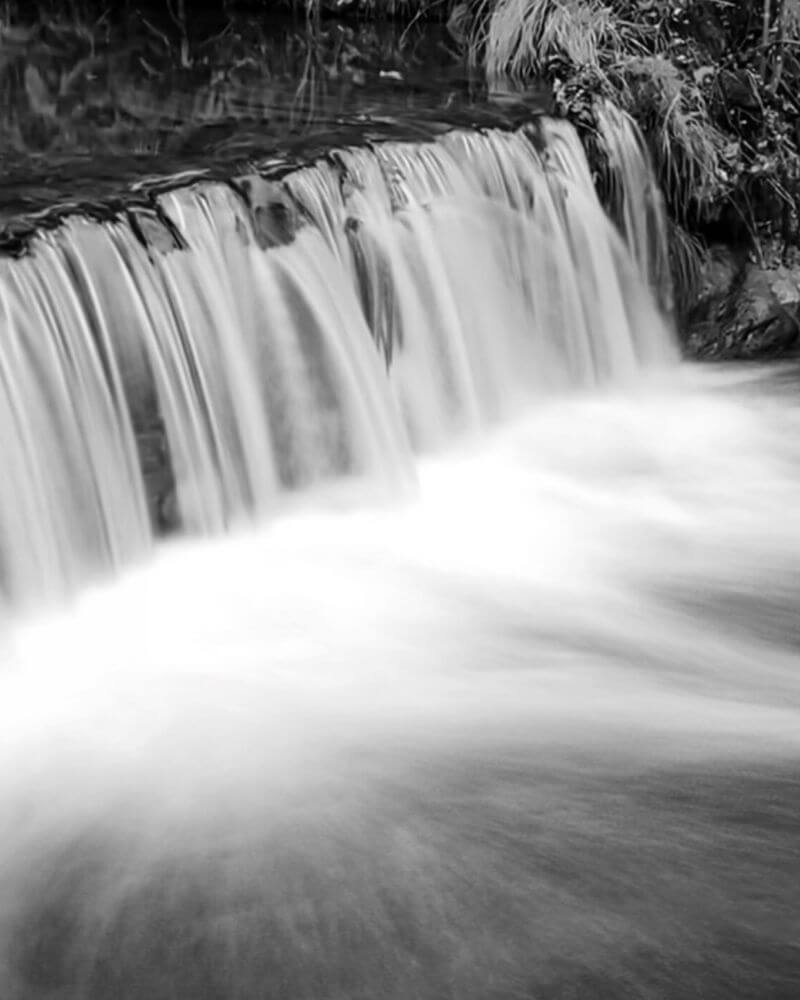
399 499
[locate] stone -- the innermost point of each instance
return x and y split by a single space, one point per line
273 214
744 309
737 89
152 230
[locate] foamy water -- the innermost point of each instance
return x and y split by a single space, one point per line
534 730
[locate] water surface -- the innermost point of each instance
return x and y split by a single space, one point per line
531 733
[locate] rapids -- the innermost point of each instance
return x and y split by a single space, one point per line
532 733
474 671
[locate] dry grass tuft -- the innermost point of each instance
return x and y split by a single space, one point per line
523 36
605 55
690 150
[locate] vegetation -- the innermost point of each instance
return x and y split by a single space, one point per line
714 84
75 84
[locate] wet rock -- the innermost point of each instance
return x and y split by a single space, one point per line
737 90
744 310
767 317
159 479
167 514
376 289
152 230
273 214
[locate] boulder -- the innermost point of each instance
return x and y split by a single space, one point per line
744 309
737 90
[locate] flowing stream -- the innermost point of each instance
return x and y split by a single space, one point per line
471 670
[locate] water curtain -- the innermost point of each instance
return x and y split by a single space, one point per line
192 362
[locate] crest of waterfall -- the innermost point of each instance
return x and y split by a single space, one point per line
278 334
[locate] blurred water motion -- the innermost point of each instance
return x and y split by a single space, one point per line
502 699
533 734
268 335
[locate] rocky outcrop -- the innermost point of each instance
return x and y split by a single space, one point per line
743 309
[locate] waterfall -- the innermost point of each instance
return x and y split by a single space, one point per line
71 494
487 685
266 335
637 202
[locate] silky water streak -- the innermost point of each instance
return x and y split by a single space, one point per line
420 291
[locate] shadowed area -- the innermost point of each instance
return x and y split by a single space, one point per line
93 107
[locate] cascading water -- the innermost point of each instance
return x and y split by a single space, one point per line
530 729
636 200
484 270
71 497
